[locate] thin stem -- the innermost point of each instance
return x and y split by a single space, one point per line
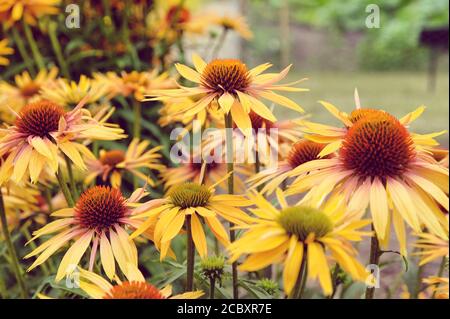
12 251
137 109
212 287
230 168
374 259
335 280
190 256
48 198
439 274
57 49
73 186
3 290
23 51
34 47
219 44
300 284
65 190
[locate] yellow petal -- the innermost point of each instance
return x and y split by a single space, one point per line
188 73
292 264
198 236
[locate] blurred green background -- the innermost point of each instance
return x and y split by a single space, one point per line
328 42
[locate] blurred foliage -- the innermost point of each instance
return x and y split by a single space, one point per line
395 45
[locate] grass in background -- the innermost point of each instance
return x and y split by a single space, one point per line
395 92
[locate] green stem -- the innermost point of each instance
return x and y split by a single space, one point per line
190 256
212 287
48 198
137 110
335 280
374 259
65 190
34 47
230 168
219 44
3 290
12 251
73 185
57 49
439 274
23 52
300 284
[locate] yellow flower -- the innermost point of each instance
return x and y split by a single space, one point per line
5 50
193 203
69 93
19 203
133 84
25 90
114 163
100 217
301 152
236 89
300 235
235 23
12 11
430 247
41 132
382 165
135 287
439 286
208 173
209 117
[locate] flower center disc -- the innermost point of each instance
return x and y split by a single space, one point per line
304 151
359 114
226 75
190 195
30 90
112 158
134 290
377 146
100 207
39 119
302 221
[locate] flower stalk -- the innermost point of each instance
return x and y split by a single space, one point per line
34 47
190 256
12 251
374 259
230 168
64 188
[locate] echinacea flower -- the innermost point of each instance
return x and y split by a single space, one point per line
439 286
208 173
268 139
430 247
12 11
297 236
99 219
209 117
133 84
68 93
135 287
234 23
41 132
236 89
301 152
25 88
5 50
112 164
197 204
381 164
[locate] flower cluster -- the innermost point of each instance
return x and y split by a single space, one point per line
88 177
